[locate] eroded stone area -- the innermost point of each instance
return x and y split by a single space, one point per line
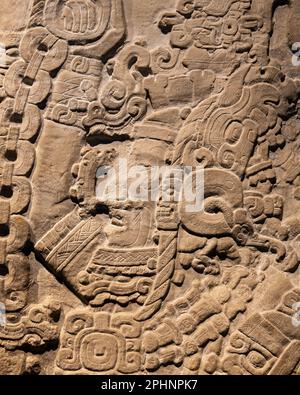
127 286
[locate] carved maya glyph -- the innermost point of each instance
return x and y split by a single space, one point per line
108 269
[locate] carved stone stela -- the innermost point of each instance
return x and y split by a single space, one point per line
121 286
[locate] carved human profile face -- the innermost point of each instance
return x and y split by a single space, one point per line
124 187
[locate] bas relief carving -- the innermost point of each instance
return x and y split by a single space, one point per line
103 286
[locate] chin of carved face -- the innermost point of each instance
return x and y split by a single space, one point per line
128 227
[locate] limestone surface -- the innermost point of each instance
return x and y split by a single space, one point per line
106 264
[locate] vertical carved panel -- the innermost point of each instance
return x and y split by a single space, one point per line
103 264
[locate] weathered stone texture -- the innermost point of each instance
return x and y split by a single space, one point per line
123 286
